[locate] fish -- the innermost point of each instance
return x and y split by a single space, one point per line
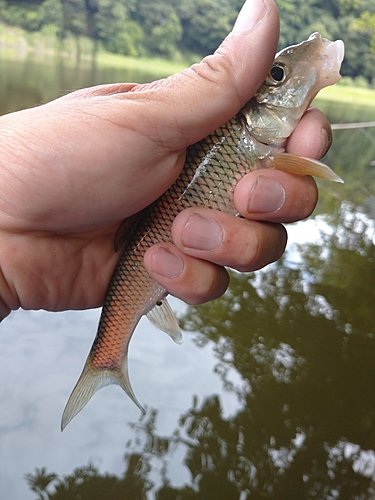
253 139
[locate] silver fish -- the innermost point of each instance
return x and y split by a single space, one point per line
253 139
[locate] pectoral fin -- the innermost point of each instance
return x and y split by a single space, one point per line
162 316
301 166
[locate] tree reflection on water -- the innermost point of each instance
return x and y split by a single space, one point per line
299 341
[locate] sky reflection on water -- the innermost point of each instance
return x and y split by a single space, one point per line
42 354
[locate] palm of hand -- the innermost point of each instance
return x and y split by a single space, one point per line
65 188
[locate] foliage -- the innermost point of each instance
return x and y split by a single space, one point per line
365 24
86 483
171 27
333 19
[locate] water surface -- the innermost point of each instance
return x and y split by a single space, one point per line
272 394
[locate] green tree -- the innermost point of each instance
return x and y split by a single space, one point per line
170 27
128 40
109 23
166 35
19 14
365 24
160 24
206 23
74 13
52 16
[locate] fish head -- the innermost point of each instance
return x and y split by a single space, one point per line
296 76
300 71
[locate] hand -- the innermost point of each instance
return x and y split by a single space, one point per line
72 169
206 240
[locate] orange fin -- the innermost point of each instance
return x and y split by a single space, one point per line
301 166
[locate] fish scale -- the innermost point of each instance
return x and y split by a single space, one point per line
254 138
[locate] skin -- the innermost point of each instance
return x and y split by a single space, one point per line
72 169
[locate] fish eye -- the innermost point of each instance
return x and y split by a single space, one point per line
278 74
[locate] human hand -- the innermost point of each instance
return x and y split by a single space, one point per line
206 240
72 169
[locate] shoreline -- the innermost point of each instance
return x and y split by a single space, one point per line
159 68
18 45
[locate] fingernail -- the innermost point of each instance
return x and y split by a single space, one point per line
201 233
167 264
326 142
266 197
251 13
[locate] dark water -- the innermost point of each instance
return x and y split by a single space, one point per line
272 394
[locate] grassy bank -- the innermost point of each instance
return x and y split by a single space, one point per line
349 95
157 67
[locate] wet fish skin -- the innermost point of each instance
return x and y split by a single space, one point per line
254 138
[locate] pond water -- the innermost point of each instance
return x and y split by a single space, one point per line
271 395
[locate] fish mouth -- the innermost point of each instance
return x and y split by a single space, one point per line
331 57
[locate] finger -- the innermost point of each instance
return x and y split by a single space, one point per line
274 196
192 280
144 127
312 137
226 240
191 104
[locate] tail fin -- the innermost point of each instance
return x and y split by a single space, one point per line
90 381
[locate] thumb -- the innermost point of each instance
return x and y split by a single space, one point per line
191 104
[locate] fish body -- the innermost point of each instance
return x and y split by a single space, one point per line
254 138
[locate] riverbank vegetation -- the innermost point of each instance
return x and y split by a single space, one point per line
184 30
17 43
349 93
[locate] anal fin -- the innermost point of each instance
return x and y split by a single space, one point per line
162 316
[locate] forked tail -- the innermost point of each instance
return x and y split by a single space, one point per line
90 381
